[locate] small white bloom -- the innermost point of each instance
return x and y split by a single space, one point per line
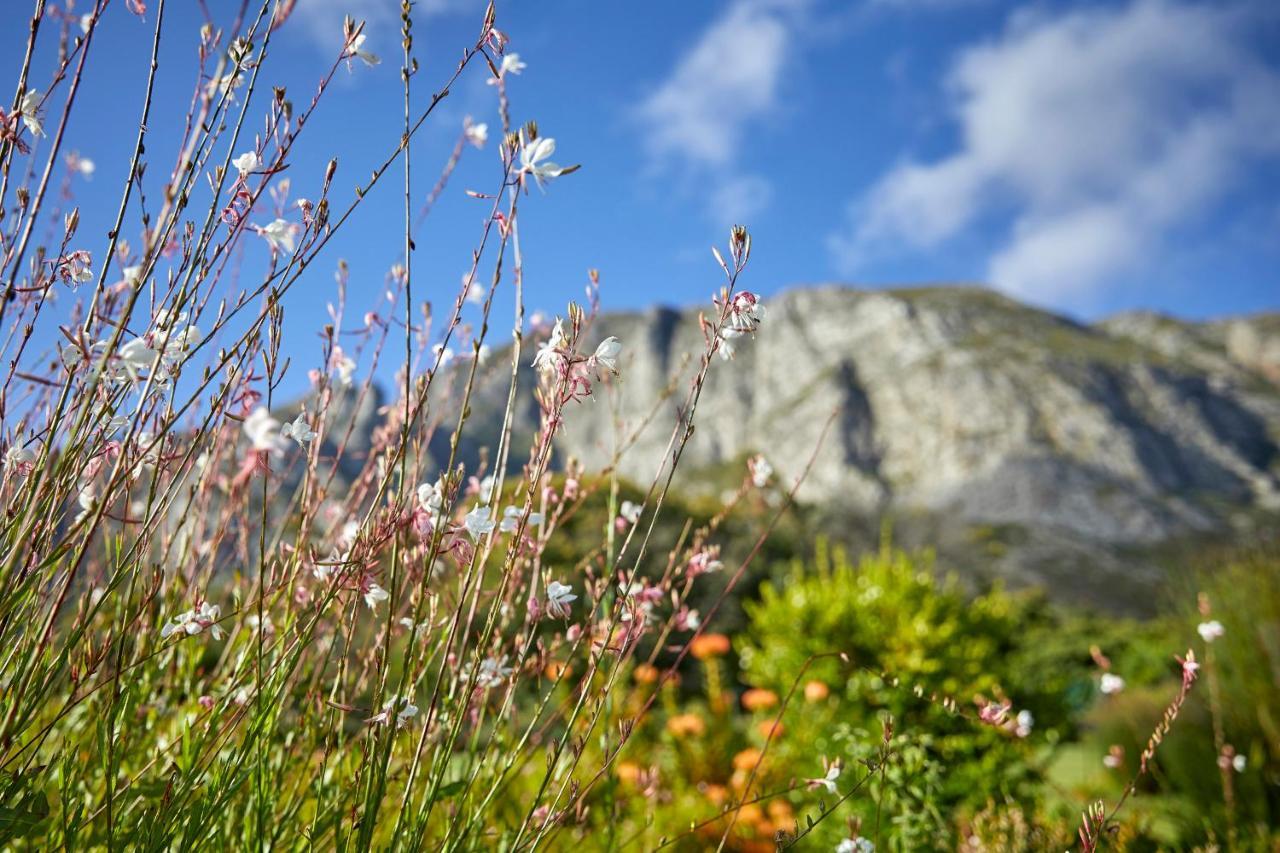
493 671
356 49
511 519
559 596
345 367
828 781
477 134
225 85
607 353
375 595
247 162
28 108
263 430
630 511
86 21
533 159
300 431
192 622
1024 722
85 167
761 471
859 845
279 234
479 522
1210 631
400 707
268 627
510 64
1239 762
20 460
1111 683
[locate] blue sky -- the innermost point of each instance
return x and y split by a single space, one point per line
1088 157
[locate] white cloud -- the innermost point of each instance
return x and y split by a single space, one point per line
698 117
1097 132
321 20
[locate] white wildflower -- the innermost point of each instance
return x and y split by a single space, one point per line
479 522
279 234
1210 631
247 162
29 108
559 596
1111 683
299 430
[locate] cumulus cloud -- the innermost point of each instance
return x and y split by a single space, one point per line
321 20
697 118
1094 133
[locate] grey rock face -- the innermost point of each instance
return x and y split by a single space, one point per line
1020 443
963 402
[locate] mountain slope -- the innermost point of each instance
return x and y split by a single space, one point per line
962 405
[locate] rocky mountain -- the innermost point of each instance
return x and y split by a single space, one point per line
1030 445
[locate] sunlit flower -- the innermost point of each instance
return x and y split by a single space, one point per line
355 48
552 353
761 471
344 365
1023 723
29 108
683 725
479 522
1239 762
758 699
20 460
510 64
559 597
1190 666
247 162
192 622
630 511
299 430
477 134
398 706
225 85
83 165
493 671
1110 683
279 234
265 623
816 691
1210 631
856 845
374 594
264 431
533 159
709 646
607 354
1114 758
511 519
828 780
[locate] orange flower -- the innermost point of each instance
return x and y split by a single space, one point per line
770 728
627 771
747 759
717 794
554 670
757 699
686 724
645 674
779 810
709 646
816 691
